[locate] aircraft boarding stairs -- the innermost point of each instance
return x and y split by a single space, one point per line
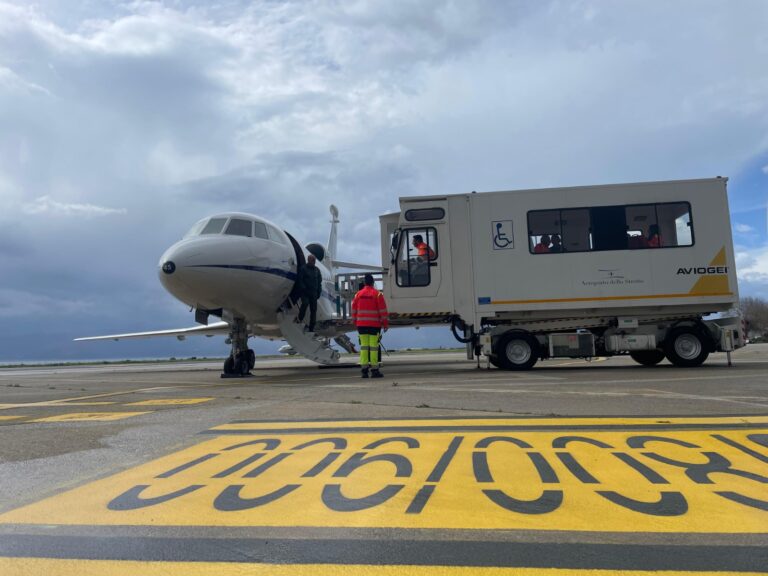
308 344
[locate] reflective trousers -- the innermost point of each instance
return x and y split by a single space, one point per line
369 347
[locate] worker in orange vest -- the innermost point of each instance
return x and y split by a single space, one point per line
425 252
369 313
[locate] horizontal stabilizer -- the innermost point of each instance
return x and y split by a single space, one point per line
210 330
353 266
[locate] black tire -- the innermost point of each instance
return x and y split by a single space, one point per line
241 364
517 351
686 347
251 355
229 365
495 361
647 357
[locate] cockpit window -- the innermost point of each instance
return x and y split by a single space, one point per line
238 227
214 226
195 230
275 235
260 230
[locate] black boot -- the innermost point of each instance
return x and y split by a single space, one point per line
376 374
364 373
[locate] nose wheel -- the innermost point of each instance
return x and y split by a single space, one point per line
242 359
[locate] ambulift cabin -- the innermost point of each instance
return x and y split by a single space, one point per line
570 272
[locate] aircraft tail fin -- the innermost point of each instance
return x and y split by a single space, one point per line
332 239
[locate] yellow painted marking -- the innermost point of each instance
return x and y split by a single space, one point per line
712 282
37 566
608 298
584 362
364 424
496 479
170 402
10 417
54 404
89 417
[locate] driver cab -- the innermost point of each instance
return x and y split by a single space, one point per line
416 237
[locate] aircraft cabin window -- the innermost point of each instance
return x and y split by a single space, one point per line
214 226
260 230
238 227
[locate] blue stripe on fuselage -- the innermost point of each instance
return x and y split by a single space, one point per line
276 271
264 269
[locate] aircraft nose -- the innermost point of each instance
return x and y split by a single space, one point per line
171 269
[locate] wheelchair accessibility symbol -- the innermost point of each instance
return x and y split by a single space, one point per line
502 235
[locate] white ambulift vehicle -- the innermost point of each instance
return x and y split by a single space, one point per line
570 272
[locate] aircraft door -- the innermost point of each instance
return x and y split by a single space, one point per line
417 263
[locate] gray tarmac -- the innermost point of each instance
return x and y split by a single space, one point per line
41 457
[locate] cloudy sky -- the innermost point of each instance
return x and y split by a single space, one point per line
123 123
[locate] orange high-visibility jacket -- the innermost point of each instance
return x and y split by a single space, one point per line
425 250
369 308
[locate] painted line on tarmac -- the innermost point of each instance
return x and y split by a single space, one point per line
53 404
559 392
670 475
170 402
594 360
71 401
116 555
89 417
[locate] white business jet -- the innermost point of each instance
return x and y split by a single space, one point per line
243 269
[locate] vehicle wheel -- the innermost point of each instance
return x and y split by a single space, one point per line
647 357
495 361
229 365
517 351
251 355
685 347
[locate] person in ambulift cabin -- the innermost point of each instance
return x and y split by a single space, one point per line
543 245
557 244
369 313
654 238
424 251
311 285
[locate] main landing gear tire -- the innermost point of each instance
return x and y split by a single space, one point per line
241 365
647 357
517 351
229 365
686 347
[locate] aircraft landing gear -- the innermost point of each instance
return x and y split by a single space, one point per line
242 359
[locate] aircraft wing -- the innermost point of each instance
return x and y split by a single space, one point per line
353 266
180 333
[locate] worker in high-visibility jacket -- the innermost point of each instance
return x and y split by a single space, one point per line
424 251
369 313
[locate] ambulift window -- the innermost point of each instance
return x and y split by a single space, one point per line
416 255
599 228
